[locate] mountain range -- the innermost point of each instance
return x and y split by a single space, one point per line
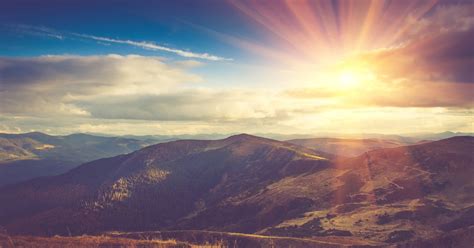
247 184
29 155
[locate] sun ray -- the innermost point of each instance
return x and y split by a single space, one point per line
322 30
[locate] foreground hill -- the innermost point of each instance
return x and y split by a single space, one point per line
348 147
29 155
254 185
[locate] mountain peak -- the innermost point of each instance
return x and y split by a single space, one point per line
35 133
243 137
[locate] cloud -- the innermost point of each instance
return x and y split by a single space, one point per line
155 47
184 105
52 33
122 87
446 56
402 93
35 31
48 85
97 71
444 18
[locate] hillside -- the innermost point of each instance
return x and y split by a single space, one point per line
392 195
186 176
30 155
255 185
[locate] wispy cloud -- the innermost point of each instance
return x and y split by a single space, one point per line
36 31
52 33
152 46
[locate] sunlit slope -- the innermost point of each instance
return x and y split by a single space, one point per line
391 195
348 147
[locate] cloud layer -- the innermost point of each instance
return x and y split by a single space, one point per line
120 87
54 84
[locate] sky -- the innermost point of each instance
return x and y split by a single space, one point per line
232 66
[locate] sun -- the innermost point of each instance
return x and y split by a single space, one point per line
348 79
353 75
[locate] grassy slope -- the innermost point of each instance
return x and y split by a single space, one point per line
89 242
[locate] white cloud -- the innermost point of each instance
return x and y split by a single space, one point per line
123 87
49 85
184 105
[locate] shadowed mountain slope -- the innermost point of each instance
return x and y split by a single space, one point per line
161 184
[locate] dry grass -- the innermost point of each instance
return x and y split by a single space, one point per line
199 238
94 242
178 239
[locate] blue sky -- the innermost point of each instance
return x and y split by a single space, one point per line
227 66
184 25
170 23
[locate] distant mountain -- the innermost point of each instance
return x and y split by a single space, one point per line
393 137
348 147
256 185
438 136
408 138
28 155
167 138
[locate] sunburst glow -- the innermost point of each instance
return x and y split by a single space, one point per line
353 74
349 79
